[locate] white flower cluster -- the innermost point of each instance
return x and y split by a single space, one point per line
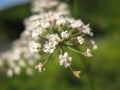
50 30
41 6
61 32
17 58
65 59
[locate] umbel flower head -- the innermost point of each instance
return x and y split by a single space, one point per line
53 30
50 30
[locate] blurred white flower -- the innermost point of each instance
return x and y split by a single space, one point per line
34 46
37 32
60 21
40 67
80 40
88 53
64 34
41 6
9 72
94 45
86 29
76 24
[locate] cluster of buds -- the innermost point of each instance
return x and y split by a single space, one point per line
51 29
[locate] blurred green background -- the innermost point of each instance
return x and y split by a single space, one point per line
101 72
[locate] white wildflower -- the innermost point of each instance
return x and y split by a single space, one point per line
45 24
65 60
40 6
9 73
53 3
60 21
76 24
49 47
80 40
63 7
88 53
34 46
64 34
54 37
39 67
94 45
36 23
86 30
37 32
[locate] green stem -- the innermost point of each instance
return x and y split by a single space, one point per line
47 59
72 49
43 38
70 44
89 73
61 50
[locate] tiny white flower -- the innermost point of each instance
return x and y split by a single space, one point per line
34 46
63 7
54 37
80 40
64 34
37 32
39 67
49 47
9 72
35 24
88 53
86 30
45 24
65 60
76 24
60 21
53 3
94 45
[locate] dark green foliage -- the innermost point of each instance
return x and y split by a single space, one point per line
11 21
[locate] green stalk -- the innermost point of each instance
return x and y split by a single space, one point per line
47 59
72 49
